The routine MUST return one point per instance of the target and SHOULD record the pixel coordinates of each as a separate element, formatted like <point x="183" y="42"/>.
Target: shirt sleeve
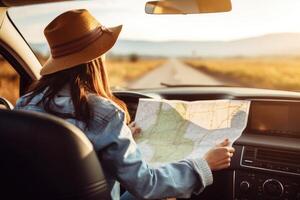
<point x="122" y="159"/>
<point x="19" y="103"/>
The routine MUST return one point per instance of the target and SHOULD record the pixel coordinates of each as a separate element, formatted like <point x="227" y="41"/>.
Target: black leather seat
<point x="43" y="157"/>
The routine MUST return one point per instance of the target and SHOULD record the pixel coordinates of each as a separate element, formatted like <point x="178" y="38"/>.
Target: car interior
<point x="266" y="164"/>
<point x="32" y="168"/>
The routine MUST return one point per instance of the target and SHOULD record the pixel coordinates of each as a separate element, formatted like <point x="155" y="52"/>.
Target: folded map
<point x="173" y="130"/>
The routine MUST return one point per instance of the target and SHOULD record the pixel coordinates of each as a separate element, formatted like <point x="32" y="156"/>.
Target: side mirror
<point x="187" y="6"/>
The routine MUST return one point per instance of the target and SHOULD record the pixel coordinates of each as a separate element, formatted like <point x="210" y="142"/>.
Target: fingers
<point x="135" y="129"/>
<point x="132" y="124"/>
<point x="138" y="130"/>
<point x="225" y="143"/>
<point x="222" y="164"/>
<point x="220" y="156"/>
<point x="230" y="149"/>
<point x="223" y="155"/>
<point x="225" y="152"/>
<point x="224" y="161"/>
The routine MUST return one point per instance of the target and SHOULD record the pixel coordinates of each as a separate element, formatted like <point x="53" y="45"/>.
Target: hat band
<point x="77" y="44"/>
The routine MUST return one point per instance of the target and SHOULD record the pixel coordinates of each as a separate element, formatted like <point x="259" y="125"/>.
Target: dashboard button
<point x="244" y="186"/>
<point x="273" y="188"/>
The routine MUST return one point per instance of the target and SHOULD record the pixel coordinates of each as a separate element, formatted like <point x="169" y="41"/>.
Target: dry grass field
<point x="9" y="82"/>
<point x="269" y="72"/>
<point x="120" y="73"/>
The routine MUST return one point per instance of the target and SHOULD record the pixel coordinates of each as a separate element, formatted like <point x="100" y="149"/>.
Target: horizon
<point x="208" y="41"/>
<point x="248" y="19"/>
<point x="285" y="44"/>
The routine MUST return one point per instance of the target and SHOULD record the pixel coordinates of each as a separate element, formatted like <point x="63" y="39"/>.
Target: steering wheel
<point x="4" y="102"/>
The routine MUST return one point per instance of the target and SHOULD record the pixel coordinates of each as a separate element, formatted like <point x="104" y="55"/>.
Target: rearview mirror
<point x="187" y="6"/>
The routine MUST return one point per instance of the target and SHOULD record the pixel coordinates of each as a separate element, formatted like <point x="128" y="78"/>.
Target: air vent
<point x="249" y="153"/>
<point x="278" y="156"/>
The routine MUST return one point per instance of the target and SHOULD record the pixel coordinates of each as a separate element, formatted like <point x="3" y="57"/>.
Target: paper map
<point x="173" y="130"/>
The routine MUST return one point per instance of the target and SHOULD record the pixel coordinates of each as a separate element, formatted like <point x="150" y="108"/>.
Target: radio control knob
<point x="273" y="188"/>
<point x="244" y="186"/>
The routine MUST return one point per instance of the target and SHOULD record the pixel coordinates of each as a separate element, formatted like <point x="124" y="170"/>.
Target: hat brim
<point x="91" y="52"/>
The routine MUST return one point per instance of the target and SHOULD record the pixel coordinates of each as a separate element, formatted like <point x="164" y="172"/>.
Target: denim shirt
<point x="120" y="157"/>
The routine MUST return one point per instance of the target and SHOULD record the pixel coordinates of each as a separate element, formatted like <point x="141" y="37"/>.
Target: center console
<point x="264" y="186"/>
<point x="268" y="174"/>
<point x="269" y="153"/>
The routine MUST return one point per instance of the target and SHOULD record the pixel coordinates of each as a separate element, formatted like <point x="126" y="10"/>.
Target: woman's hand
<point x="219" y="157"/>
<point x="135" y="129"/>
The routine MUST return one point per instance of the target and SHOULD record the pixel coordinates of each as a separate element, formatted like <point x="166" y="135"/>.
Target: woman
<point x="74" y="86"/>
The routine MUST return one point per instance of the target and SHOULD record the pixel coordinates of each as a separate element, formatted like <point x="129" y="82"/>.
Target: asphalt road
<point x="173" y="72"/>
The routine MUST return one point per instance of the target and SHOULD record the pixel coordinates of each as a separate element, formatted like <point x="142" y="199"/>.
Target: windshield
<point x="257" y="44"/>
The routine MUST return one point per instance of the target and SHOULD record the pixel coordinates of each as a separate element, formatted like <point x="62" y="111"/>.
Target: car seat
<point x="44" y="157"/>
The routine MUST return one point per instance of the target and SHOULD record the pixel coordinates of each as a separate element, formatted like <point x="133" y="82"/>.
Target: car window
<point x="9" y="81"/>
<point x="257" y="44"/>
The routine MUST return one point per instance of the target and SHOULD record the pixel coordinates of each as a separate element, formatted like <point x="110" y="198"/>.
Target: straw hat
<point x="76" y="37"/>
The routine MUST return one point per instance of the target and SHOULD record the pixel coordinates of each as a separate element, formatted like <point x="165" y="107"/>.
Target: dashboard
<point x="266" y="164"/>
<point x="275" y="118"/>
<point x="268" y="160"/>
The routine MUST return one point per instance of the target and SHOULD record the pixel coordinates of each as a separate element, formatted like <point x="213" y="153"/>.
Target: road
<point x="173" y="72"/>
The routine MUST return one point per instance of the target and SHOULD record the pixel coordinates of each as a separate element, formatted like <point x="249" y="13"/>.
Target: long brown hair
<point x="82" y="79"/>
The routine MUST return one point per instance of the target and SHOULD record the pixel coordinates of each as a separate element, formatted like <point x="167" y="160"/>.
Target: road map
<point x="173" y="130"/>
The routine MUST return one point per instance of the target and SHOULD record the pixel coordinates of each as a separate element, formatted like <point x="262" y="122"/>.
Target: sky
<point x="248" y="18"/>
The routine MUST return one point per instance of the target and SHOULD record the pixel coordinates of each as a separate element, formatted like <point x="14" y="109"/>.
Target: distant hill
<point x="41" y="48"/>
<point x="267" y="45"/>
